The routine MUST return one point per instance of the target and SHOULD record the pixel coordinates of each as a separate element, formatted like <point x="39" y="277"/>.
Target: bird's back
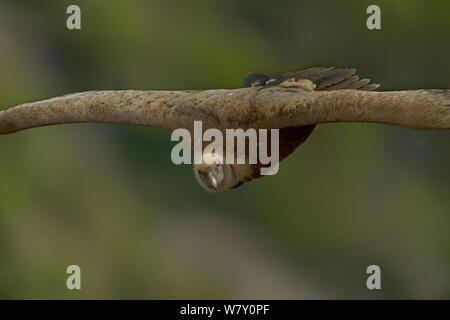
<point x="324" y="78"/>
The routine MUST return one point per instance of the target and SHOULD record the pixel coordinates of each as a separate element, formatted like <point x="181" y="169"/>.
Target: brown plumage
<point x="325" y="78"/>
<point x="294" y="103"/>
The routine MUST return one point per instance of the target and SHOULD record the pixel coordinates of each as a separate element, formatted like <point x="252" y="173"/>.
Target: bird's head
<point x="216" y="176"/>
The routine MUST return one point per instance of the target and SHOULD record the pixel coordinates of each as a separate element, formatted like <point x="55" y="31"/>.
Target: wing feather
<point x="325" y="78"/>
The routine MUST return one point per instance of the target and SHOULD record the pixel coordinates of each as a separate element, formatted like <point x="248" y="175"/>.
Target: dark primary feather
<point x="325" y="78"/>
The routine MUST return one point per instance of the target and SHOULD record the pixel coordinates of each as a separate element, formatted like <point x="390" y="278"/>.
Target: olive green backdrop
<point x="108" y="198"/>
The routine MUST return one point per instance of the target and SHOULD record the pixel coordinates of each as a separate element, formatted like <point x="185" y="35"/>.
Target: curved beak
<point x="212" y="179"/>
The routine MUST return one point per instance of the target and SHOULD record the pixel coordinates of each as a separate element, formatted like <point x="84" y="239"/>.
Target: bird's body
<point x="317" y="79"/>
<point x="294" y="103"/>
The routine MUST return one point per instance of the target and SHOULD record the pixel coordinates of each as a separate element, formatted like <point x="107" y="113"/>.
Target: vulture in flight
<point x="295" y="103"/>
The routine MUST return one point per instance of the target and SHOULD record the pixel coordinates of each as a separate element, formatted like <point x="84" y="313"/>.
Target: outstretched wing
<point x="288" y="102"/>
<point x="339" y="95"/>
<point x="325" y="78"/>
<point x="148" y="108"/>
<point x="427" y="109"/>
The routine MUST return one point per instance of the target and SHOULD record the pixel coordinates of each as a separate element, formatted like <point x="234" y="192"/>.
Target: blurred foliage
<point x="107" y="197"/>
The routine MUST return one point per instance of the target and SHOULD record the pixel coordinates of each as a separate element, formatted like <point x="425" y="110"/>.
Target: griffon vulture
<point x="293" y="102"/>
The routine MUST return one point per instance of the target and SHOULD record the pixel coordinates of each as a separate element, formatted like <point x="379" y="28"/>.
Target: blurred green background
<point x="108" y="198"/>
